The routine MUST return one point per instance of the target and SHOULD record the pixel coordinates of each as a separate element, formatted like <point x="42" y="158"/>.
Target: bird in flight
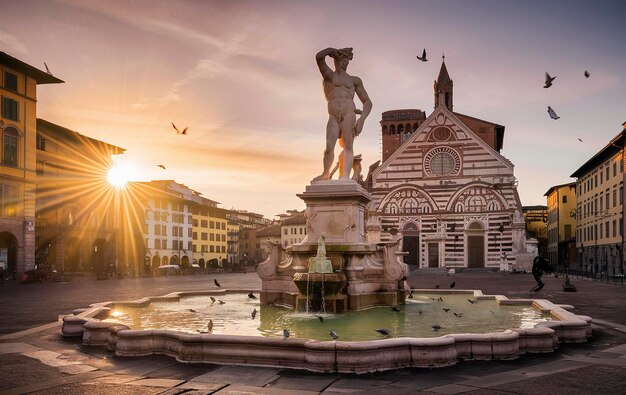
<point x="333" y="334"/>
<point x="216" y="283"/>
<point x="446" y="310"/>
<point x="453" y="284"/>
<point x="47" y="69"/>
<point x="251" y="295"/>
<point x="587" y="74"/>
<point x="579" y="139"/>
<point x="285" y="333"/>
<point x="436" y="327"/>
<point x="178" y="131"/>
<point x="549" y="81"/>
<point x="458" y="314"/>
<point x="423" y="57"/>
<point x="552" y="113"/>
<point x="161" y="166"/>
<point x="212" y="299"/>
<point x="472" y="301"/>
<point x="221" y="301"/>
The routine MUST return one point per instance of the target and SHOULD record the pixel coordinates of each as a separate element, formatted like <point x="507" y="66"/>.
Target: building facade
<point x="209" y="234"/>
<point x="18" y="126"/>
<point x="293" y="229"/>
<point x="561" y="225"/>
<point x="450" y="192"/>
<point x="536" y="219"/>
<point x="600" y="209"/>
<point x="232" y="242"/>
<point x="268" y="236"/>
<point x="77" y="210"/>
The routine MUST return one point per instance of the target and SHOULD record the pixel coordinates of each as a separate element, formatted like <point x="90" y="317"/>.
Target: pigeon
<point x="212" y="299"/>
<point x="440" y="299"/>
<point x="423" y="58"/>
<point x="437" y="286"/>
<point x="161" y="166"/>
<point x="458" y="314"/>
<point x="579" y="139"/>
<point x="221" y="301"/>
<point x="382" y="331"/>
<point x="178" y="131"/>
<point x="446" y="310"/>
<point x="394" y="308"/>
<point x="47" y="69"/>
<point x="285" y="333"/>
<point x="320" y="318"/>
<point x="216" y="283"/>
<point x="549" y="81"/>
<point x="253" y="313"/>
<point x="453" y="284"/>
<point x="333" y="334"/>
<point x="192" y="310"/>
<point x="420" y="312"/>
<point x="472" y="301"/>
<point x="436" y="327"/>
<point x="209" y="326"/>
<point x="552" y="113"/>
<point x="251" y="295"/>
<point x="586" y="74"/>
<point x="410" y="291"/>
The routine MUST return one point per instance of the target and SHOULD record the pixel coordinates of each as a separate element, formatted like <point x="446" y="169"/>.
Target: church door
<point x="475" y="245"/>
<point x="433" y="254"/>
<point x="410" y="244"/>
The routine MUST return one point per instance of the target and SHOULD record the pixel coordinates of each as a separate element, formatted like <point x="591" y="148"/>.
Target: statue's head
<point x="342" y="57"/>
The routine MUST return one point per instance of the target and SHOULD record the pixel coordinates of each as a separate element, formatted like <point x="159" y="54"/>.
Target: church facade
<point x="447" y="189"/>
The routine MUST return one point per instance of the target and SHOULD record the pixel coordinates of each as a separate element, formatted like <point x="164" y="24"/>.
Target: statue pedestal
<point x="335" y="209"/>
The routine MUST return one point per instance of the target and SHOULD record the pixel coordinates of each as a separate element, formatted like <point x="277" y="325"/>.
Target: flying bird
<point x="587" y="74"/>
<point x="216" y="283"/>
<point x="209" y="326"/>
<point x="333" y="334"/>
<point x="472" y="301"/>
<point x="394" y="308"/>
<point x="47" y="69"/>
<point x="178" y="131"/>
<point x="549" y="81"/>
<point x="253" y="313"/>
<point x="251" y="295"/>
<point x="423" y="58"/>
<point x="285" y="333"/>
<point x="192" y="310"/>
<point x="446" y="310"/>
<point x="161" y="166"/>
<point x="453" y="284"/>
<point x="221" y="301"/>
<point x="436" y="327"/>
<point x="212" y="299"/>
<point x="579" y="139"/>
<point x="383" y="331"/>
<point x="458" y="314"/>
<point x="552" y="113"/>
<point x="320" y="318"/>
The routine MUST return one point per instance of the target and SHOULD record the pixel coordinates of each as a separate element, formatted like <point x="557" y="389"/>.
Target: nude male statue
<point x="339" y="89"/>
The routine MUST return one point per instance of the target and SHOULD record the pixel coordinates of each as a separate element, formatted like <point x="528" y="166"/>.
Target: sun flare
<point x="121" y="173"/>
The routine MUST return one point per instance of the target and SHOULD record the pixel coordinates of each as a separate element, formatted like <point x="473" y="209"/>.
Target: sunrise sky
<point x="242" y="76"/>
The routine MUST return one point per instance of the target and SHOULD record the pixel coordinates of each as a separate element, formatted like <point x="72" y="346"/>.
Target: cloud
<point x="11" y="44"/>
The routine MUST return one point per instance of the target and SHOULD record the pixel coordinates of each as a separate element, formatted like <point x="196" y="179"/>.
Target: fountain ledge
<point x="327" y="356"/>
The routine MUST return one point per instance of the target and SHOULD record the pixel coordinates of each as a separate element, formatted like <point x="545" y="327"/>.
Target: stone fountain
<point x="353" y="273"/>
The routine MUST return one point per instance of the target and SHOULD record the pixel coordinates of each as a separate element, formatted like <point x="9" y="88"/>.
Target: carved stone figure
<point x="339" y="89"/>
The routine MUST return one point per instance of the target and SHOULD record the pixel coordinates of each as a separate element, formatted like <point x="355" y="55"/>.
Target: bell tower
<point x="443" y="87"/>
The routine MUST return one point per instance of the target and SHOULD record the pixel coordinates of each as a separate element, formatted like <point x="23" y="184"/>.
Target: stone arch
<point x="392" y="129"/>
<point x="8" y="253"/>
<point x="164" y="261"/>
<point x="400" y="129"/>
<point x="478" y="188"/>
<point x="398" y="197"/>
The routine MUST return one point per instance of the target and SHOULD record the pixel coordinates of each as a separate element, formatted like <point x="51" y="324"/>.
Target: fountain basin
<point x="332" y="356"/>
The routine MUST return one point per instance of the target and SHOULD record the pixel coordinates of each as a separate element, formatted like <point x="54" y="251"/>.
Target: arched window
<point x="458" y="208"/>
<point x="400" y="129"/>
<point x="392" y="129"/>
<point x="475" y="204"/>
<point x="10" y="138"/>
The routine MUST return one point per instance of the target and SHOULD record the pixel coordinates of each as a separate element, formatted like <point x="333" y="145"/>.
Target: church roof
<point x="443" y="77"/>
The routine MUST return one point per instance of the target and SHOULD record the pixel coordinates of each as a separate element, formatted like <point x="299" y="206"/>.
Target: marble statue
<point x="339" y="89"/>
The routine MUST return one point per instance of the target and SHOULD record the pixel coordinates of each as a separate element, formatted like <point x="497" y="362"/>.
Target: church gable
<point x="444" y="150"/>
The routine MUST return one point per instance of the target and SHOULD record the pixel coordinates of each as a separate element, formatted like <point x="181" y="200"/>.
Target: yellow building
<point x="18" y="125"/>
<point x="561" y="225"/>
<point x="209" y="234"/>
<point x="232" y="239"/>
<point x="600" y="210"/>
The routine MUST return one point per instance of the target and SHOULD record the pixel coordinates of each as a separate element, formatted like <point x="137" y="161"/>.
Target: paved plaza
<point x="34" y="358"/>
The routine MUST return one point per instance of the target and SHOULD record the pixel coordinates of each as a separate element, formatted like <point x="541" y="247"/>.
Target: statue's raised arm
<point x="339" y="89"/>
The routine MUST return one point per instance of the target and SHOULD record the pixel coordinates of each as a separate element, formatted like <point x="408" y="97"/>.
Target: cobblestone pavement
<point x="34" y="358"/>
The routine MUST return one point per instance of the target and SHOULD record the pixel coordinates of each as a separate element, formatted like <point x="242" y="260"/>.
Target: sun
<point x="121" y="173"/>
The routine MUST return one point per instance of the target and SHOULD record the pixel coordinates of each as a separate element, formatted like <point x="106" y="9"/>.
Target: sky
<point x="241" y="75"/>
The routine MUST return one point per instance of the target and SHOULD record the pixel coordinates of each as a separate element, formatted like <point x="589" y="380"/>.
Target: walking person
<point x="540" y="266"/>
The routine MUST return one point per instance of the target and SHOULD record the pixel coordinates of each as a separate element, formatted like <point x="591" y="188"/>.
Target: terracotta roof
<point x="269" y="231"/>
<point x="297" y="219"/>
